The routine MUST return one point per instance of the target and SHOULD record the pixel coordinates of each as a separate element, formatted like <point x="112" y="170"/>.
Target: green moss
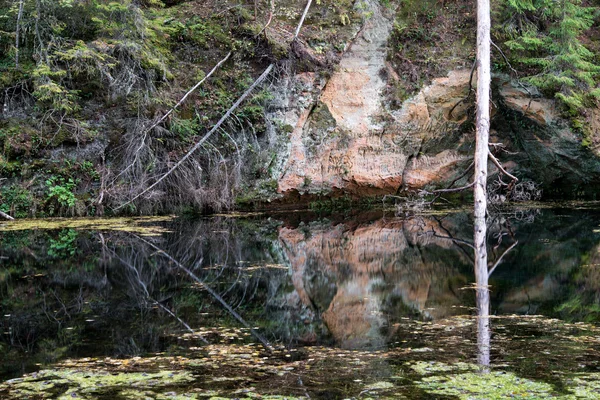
<point x="16" y="201"/>
<point x="584" y="386"/>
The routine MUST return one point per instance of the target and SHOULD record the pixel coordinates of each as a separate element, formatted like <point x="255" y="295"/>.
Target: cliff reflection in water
<point x="366" y="282"/>
<point x="363" y="278"/>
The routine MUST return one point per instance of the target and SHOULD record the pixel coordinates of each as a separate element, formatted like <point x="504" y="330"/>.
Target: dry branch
<point x="497" y="164"/>
<point x="205" y="137"/>
<point x="514" y="71"/>
<point x="164" y="117"/>
<point x="302" y="19"/>
<point x="189" y="92"/>
<point x="470" y="90"/>
<point x="271" y="13"/>
<point x="458" y="189"/>
<point x="501" y="257"/>
<point x="6" y="216"/>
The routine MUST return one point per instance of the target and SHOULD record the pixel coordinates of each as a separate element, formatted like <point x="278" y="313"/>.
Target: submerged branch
<point x="501" y="257"/>
<point x="147" y="295"/>
<point x="182" y="322"/>
<point x="459" y="241"/>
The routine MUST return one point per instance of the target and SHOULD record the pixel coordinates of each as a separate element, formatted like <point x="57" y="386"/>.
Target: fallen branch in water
<point x="204" y="138"/>
<point x="501" y="257"/>
<point x="182" y="322"/>
<point x="147" y="294"/>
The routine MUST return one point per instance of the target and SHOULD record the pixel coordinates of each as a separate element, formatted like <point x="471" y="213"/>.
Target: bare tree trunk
<point x="482" y="294"/>
<point x="481" y="170"/>
<point x="18" y="33"/>
<point x="483" y="130"/>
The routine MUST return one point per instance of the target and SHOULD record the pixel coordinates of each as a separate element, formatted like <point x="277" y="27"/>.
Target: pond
<point x="371" y="305"/>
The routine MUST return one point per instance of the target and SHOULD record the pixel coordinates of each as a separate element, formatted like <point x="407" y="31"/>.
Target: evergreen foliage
<point x="67" y="49"/>
<point x="544" y="38"/>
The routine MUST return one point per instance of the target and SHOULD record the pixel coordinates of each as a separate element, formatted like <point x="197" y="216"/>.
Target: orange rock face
<point x="349" y="150"/>
<point x="345" y="139"/>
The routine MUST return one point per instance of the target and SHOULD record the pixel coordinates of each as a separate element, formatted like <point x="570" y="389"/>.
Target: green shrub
<point x="16" y="201"/>
<point x="61" y="190"/>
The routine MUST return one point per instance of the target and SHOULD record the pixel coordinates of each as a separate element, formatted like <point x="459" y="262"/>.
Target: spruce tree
<point x="544" y="40"/>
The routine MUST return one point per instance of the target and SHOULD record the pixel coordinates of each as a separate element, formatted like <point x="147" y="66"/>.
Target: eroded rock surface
<point x="345" y="139"/>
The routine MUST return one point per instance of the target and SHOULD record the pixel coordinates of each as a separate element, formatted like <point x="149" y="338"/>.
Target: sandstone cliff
<point x="345" y="138"/>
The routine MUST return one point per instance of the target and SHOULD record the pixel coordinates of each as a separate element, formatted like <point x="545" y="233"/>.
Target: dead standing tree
<point x="482" y="153"/>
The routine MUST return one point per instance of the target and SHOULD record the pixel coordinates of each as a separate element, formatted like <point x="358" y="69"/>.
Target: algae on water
<point x="69" y="384"/>
<point x="144" y="226"/>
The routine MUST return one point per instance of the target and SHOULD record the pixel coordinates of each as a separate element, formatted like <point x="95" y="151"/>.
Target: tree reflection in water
<point x="482" y="288"/>
<point x="483" y="317"/>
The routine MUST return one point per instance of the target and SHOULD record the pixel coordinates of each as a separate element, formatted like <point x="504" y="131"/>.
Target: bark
<point x="483" y="129"/>
<point x="6" y="216"/>
<point x="18" y="33"/>
<point x="481" y="170"/>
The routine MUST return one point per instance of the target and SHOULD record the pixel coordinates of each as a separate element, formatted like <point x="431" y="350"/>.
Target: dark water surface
<point x="368" y="306"/>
